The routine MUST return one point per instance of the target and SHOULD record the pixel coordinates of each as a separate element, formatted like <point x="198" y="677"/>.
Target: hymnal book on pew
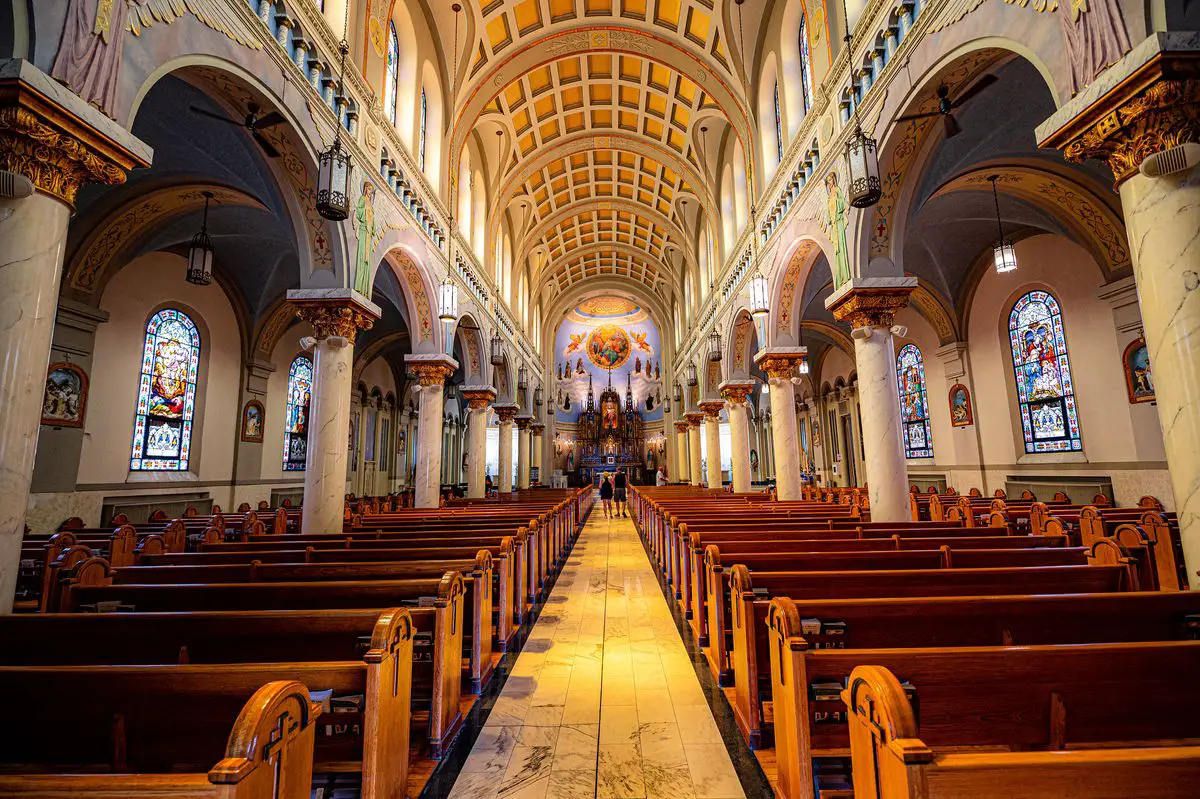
<point x="810" y="626"/>
<point x="351" y="703"/>
<point x="830" y="693"/>
<point x="423" y="647"/>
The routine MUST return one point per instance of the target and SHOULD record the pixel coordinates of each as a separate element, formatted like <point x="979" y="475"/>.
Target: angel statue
<point x="89" y="58"/>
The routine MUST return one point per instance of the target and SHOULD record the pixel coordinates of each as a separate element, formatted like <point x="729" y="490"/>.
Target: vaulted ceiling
<point x="591" y="113"/>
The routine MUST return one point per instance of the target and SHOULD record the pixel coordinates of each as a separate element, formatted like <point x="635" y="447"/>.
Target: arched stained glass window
<point x="778" y="127"/>
<point x="914" y="403"/>
<point x="805" y="66"/>
<point x="162" y="430"/>
<point x="421" y="139"/>
<point x="1045" y="393"/>
<point x="295" y="419"/>
<point x="391" y="79"/>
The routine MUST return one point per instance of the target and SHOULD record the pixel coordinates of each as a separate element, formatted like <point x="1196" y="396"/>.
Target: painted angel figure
<point x="364" y="227"/>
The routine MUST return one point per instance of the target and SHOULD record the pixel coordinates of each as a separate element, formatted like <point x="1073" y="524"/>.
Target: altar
<point x="608" y="438"/>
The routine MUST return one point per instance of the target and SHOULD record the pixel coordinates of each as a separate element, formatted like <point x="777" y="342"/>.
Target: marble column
<point x="507" y="412"/>
<point x="780" y="363"/>
<point x="681" y="451"/>
<point x="694" y="470"/>
<point x="478" y="399"/>
<point x="712" y="436"/>
<point x="336" y="316"/>
<point x="535" y="455"/>
<point x="523" y="423"/>
<point x="432" y="372"/>
<point x="869" y="306"/>
<point x="57" y="142"/>
<point x="1147" y="102"/>
<point x="739" y="433"/>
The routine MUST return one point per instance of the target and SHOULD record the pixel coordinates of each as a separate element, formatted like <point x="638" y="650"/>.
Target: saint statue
<point x="836" y="207"/>
<point x="1095" y="34"/>
<point x="364" y="227"/>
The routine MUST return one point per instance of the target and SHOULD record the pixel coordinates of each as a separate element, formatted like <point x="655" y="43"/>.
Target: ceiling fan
<point x="947" y="107"/>
<point x="253" y="123"/>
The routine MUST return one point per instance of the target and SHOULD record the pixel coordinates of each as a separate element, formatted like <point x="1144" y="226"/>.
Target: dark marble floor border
<point x="441" y="782"/>
<point x="754" y="781"/>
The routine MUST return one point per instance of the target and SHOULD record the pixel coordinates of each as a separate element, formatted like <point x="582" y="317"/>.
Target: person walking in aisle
<point x="606" y="496"/>
<point x="660" y="479"/>
<point x="619" y="485"/>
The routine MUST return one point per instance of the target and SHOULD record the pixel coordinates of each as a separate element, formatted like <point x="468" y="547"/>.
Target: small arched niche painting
<point x="961" y="414"/>
<point x="1139" y="381"/>
<point x="252" y="422"/>
<point x="65" y="401"/>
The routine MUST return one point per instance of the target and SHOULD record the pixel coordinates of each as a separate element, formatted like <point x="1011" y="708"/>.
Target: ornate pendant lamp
<point x="1003" y="253"/>
<point x="677" y="393"/>
<point x="714" y="346"/>
<point x="200" y="253"/>
<point x="497" y="350"/>
<point x="863" y="187"/>
<point x="333" y="164"/>
<point x="692" y="380"/>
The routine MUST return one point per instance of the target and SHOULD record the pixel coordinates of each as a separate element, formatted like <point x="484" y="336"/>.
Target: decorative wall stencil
<point x="65" y="402"/>
<point x="415" y="287"/>
<point x="961" y="413"/>
<point x="1139" y="380"/>
<point x="791" y="283"/>
<point x="253" y="418"/>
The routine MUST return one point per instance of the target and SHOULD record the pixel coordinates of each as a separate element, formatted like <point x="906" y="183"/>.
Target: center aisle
<point x="603" y="700"/>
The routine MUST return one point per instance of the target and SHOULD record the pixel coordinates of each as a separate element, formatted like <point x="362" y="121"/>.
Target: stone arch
<point x="789" y="276"/>
<point x="469" y="335"/>
<point x="740" y="344"/>
<point x="419" y="296"/>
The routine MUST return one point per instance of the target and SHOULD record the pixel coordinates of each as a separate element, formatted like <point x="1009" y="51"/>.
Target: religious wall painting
<point x="365" y="229"/>
<point x="608" y="346"/>
<point x="253" y="418"/>
<point x="816" y="434"/>
<point x="64" y="403"/>
<point x="836" y="209"/>
<point x="961" y="413"/>
<point x="1042" y="372"/>
<point x="1139" y="380"/>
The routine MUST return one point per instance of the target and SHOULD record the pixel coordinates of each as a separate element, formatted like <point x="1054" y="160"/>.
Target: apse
<point x="603" y="338"/>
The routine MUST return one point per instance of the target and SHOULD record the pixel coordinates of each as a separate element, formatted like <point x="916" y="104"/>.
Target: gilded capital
<point x="478" y="399"/>
<point x="1154" y="108"/>
<point x="537" y="428"/>
<point x="433" y="373"/>
<point x="871" y="307"/>
<point x="56" y="148"/>
<point x="506" y="412"/>
<point x="736" y="393"/>
<point x="694" y="419"/>
<point x="712" y="408"/>
<point x="334" y="318"/>
<point x="778" y="368"/>
<point x="681" y="426"/>
<point x="523" y="422"/>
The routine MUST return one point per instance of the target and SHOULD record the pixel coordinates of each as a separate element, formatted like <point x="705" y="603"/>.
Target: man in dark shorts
<point x="619" y="484"/>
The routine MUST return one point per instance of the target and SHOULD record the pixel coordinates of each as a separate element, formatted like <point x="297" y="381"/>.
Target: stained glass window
<point x="162" y="430"/>
<point x="421" y="140"/>
<point x="390" y="79"/>
<point x="805" y="67"/>
<point x="778" y="127"/>
<point x="914" y="403"/>
<point x="295" y="422"/>
<point x="1045" y="393"/>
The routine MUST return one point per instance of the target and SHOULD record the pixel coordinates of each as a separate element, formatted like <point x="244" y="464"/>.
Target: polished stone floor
<point x="603" y="700"/>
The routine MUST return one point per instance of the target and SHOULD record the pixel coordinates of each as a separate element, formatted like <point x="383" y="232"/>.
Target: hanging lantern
<point x="1004" y="254"/>
<point x="667" y="405"/>
<point x="522" y="378"/>
<point x="804" y="366"/>
<point x="864" y="187"/>
<point x="760" y="302"/>
<point x="448" y="301"/>
<point x="497" y="350"/>
<point x="714" y="346"/>
<point x="200" y="253"/>
<point x="677" y="393"/>
<point x="692" y="380"/>
<point x="537" y="397"/>
<point x="333" y="182"/>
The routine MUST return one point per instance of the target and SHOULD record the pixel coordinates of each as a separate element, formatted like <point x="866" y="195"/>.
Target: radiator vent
<point x="1175" y="159"/>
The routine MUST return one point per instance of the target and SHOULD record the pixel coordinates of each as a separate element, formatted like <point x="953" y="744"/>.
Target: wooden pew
<point x="751" y="595"/>
<point x="435" y="607"/>
<point x="268" y="746"/>
<point x="1092" y="722"/>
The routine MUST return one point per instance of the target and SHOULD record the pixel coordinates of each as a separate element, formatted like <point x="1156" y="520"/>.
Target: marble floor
<point x="603" y="700"/>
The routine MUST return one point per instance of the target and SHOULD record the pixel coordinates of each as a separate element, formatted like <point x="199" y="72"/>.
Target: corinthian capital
<point x="52" y="137"/>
